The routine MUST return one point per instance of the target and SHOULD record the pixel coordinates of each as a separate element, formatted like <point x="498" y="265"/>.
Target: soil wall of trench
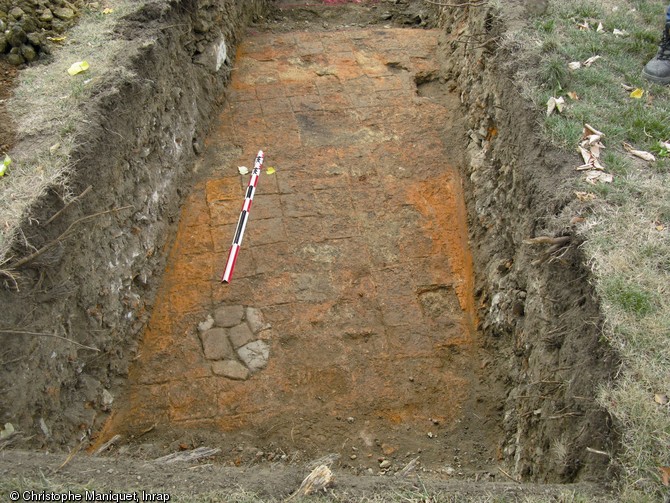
<point x="537" y="309"/>
<point x="537" y="312"/>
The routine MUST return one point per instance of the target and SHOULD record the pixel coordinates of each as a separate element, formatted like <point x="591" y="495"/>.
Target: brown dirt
<point x="7" y="80"/>
<point x="356" y="253"/>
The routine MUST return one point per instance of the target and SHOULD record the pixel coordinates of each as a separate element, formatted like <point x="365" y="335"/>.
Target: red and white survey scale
<point x="244" y="216"/>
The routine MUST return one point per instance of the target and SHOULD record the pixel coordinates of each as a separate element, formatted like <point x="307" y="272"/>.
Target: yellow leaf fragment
<point x="637" y="93"/>
<point x="58" y="40"/>
<point x="661" y="399"/>
<point x="78" y="67"/>
<point x="573" y="96"/>
<point x="5" y="164"/>
<point x="585" y="196"/>
<point x="107" y="10"/>
<point x="270" y="170"/>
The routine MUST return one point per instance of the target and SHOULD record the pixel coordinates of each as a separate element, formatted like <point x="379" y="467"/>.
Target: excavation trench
<point x="348" y="327"/>
<point x="386" y="304"/>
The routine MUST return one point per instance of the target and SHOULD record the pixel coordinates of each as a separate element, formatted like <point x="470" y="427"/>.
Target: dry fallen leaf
<point x="555" y="104"/>
<point x="665" y="475"/>
<point x="642" y="154"/>
<point x="584" y="26"/>
<point x="573" y="95"/>
<point x="661" y="399"/>
<point x="594" y="176"/>
<point x="626" y="87"/>
<point x="590" y="130"/>
<point x="619" y="33"/>
<point x="591" y="60"/>
<point x="243" y="170"/>
<point x="574" y="65"/>
<point x="270" y="170"/>
<point x="637" y="93"/>
<point x="577" y="220"/>
<point x="664" y="144"/>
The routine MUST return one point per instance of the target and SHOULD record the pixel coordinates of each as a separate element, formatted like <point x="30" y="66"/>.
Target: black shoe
<point x="658" y="69"/>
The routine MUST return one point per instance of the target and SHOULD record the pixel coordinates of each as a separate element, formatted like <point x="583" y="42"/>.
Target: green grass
<point x="627" y="237"/>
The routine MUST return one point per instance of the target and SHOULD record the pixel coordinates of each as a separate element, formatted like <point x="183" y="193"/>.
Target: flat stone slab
<point x="255" y="355"/>
<point x="232" y="369"/>
<point x="228" y="316"/>
<point x="216" y="345"/>
<point x="240" y="335"/>
<point x="205" y="325"/>
<point x="255" y="320"/>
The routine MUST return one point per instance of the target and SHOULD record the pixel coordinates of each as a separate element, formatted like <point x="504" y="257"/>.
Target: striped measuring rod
<point x="244" y="216"/>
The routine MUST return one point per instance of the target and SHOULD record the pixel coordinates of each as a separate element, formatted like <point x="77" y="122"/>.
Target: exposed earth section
<point x="348" y="326"/>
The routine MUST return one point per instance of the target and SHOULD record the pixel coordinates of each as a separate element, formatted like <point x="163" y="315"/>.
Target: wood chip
<point x="186" y="456"/>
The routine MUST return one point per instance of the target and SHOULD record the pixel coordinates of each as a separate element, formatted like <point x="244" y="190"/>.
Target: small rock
<point x="385" y="464"/>
<point x="449" y="470"/>
<point x="28" y="53"/>
<point x="198" y="147"/>
<point x="46" y="16"/>
<point x="44" y="428"/>
<point x="255" y="320"/>
<point x="203" y="326"/>
<point x="353" y="456"/>
<point x="64" y="13"/>
<point x="240" y="335"/>
<point x="107" y="399"/>
<point x="232" y="369"/>
<point x="16" y="13"/>
<point x="350" y="419"/>
<point x="36" y="39"/>
<point x="14" y="58"/>
<point x="216" y="345"/>
<point x="16" y="37"/>
<point x="228" y="316"/>
<point x="255" y="355"/>
<point x="431" y="434"/>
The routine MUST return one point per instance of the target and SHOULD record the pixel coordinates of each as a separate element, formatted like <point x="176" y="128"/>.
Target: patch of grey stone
<point x="255" y="355"/>
<point x="216" y="344"/>
<point x="232" y="369"/>
<point x="230" y="336"/>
